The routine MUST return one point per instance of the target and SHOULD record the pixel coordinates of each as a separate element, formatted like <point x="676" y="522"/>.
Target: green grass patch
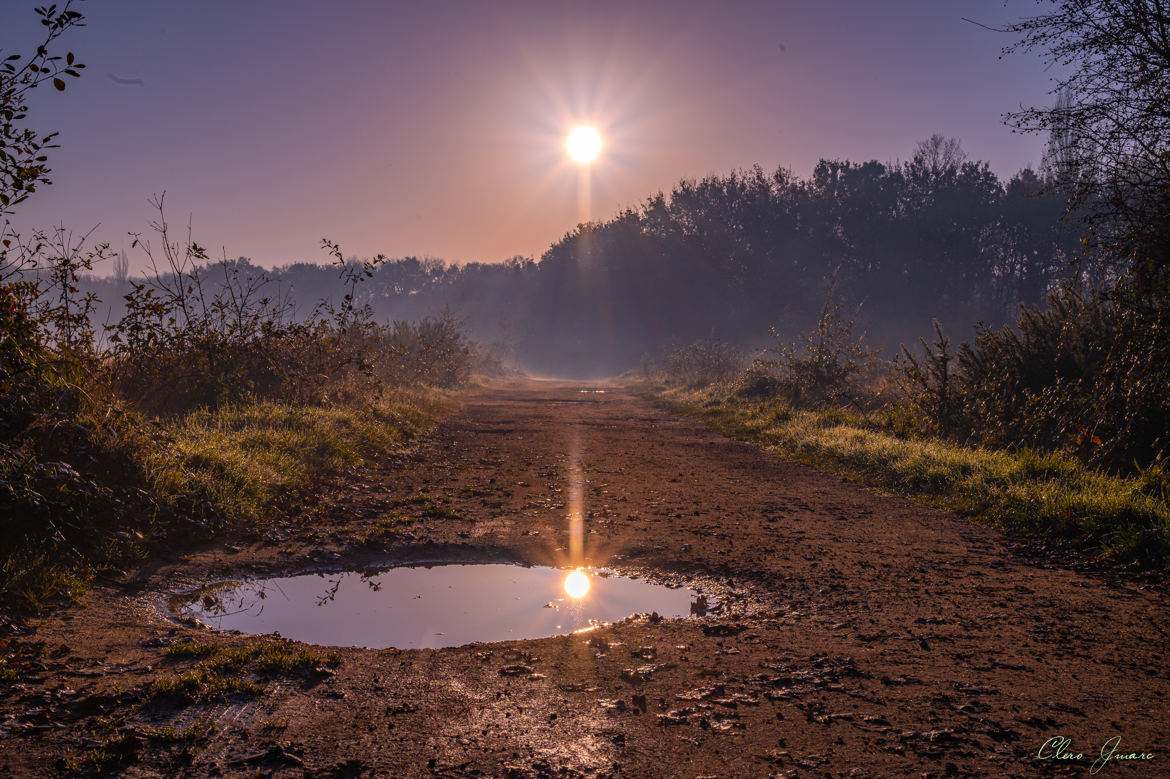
<point x="113" y="752"/>
<point x="383" y="529"/>
<point x="271" y="657"/>
<point x="245" y="457"/>
<point x="435" y="511"/>
<point x="187" y="649"/>
<point x="202" y="684"/>
<point x="190" y="736"/>
<point x="113" y="745"/>
<point x="225" y="670"/>
<point x="29" y="579"/>
<point x="1050" y="494"/>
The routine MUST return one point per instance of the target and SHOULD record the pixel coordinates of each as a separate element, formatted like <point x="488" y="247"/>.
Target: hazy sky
<point x="437" y="128"/>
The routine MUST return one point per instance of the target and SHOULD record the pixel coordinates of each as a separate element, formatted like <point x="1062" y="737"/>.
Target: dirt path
<point x="871" y="636"/>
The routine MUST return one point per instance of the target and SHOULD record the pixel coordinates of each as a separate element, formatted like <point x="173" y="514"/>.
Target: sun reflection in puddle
<point x="415" y="607"/>
<point x="577" y="584"/>
<point x="576" y="479"/>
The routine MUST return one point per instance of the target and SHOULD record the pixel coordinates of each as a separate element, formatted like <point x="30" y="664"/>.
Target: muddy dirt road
<point x="864" y="635"/>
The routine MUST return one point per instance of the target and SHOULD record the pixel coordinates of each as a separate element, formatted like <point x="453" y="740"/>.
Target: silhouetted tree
<point x="1111" y="121"/>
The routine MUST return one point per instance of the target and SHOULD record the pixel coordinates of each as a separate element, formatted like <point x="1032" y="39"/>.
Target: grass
<point x="172" y="735"/>
<point x="1052" y="494"/>
<point x="439" y="512"/>
<point x="243" y="457"/>
<point x="30" y="579"/>
<point x="113" y="752"/>
<point x="224" y="470"/>
<point x="189" y="649"/>
<point x="221" y="671"/>
<point x="266" y="657"/>
<point x="118" y="749"/>
<point x="202" y="684"/>
<point x="383" y="529"/>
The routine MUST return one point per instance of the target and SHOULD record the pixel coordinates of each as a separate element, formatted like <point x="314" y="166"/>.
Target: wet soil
<point x="864" y="635"/>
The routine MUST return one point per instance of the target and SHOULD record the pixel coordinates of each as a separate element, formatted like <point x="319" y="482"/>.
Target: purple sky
<point x="437" y="128"/>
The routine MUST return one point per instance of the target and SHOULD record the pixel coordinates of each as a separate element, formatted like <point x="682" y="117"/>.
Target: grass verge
<point x="207" y="473"/>
<point x="243" y="458"/>
<point x="1118" y="519"/>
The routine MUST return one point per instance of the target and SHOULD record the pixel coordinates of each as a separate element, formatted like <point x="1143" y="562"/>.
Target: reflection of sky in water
<point x="414" y="607"/>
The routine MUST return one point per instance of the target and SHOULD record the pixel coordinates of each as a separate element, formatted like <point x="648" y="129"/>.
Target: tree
<point x="121" y="270"/>
<point x="939" y="156"/>
<point x="1111" y="118"/>
<point x="22" y="158"/>
<point x="22" y="168"/>
<point x="1061" y="161"/>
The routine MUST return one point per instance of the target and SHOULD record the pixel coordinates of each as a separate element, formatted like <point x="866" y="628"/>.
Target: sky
<point x="437" y="129"/>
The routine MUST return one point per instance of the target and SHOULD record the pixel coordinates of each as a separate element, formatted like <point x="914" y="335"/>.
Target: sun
<point x="583" y="144"/>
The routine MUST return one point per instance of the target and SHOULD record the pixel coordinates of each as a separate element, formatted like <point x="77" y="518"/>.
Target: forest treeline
<point x="737" y="255"/>
<point x="733" y="255"/>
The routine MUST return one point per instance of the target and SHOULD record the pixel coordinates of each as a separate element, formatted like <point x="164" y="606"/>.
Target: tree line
<point x="733" y="255"/>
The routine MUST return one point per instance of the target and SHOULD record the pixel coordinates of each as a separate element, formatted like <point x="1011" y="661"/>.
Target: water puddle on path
<point x="428" y="607"/>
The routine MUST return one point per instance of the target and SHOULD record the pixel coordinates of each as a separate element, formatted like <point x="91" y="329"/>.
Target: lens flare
<point x="577" y="585"/>
<point x="584" y="144"/>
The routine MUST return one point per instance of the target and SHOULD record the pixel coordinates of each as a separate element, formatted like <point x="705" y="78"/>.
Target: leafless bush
<point x="703" y="362"/>
<point x="204" y="334"/>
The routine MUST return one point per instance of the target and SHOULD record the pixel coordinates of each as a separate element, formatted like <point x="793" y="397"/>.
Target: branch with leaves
<point x="23" y="162"/>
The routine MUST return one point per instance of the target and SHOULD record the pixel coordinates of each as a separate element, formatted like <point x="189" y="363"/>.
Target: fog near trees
<point x="734" y="255"/>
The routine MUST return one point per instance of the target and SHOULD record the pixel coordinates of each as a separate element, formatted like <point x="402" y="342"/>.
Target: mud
<point x="863" y="635"/>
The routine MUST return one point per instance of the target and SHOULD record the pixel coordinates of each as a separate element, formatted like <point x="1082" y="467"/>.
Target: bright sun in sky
<point x="584" y="143"/>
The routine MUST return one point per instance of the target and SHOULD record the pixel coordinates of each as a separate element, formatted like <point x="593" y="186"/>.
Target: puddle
<point x="428" y="607"/>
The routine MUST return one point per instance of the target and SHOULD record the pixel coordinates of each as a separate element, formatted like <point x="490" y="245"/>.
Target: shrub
<point x="85" y="480"/>
<point x="209" y="335"/>
<point x="759" y="382"/>
<point x="931" y="380"/>
<point x="703" y="362"/>
<point x="1087" y="374"/>
<point x="822" y="366"/>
